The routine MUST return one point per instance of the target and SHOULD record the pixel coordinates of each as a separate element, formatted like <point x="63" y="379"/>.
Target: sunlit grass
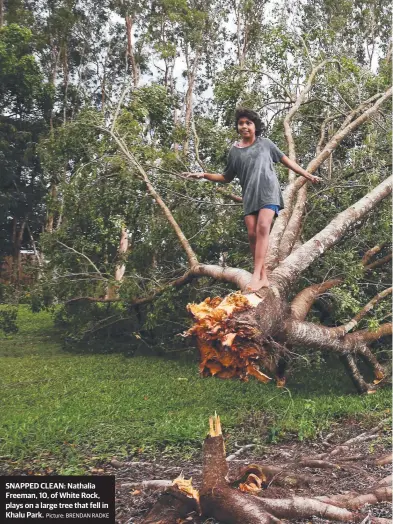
<point x="63" y="408"/>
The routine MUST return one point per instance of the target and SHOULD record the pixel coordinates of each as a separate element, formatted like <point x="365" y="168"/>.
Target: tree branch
<point x="326" y="121"/>
<point x="82" y="255"/>
<point x="368" y="336"/>
<point x="338" y="137"/>
<point x="291" y="190"/>
<point x="192" y="258"/>
<point x="379" y="262"/>
<point x="290" y="269"/>
<point x="294" y="225"/>
<point x="371" y="252"/>
<point x="263" y="73"/>
<point x="291" y="113"/>
<point x="303" y="301"/>
<point x="308" y="334"/>
<point x="342" y="330"/>
<point x="358" y="110"/>
<point x="181" y="281"/>
<point x="239" y="277"/>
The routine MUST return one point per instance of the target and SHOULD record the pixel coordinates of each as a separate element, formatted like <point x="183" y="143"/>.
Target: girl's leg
<point x="264" y="222"/>
<point x="251" y="225"/>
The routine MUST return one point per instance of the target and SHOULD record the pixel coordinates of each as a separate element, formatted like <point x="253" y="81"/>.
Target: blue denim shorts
<point x="274" y="207"/>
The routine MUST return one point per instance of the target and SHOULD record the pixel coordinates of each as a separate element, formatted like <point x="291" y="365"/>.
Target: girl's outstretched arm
<point x="293" y="166"/>
<point x="213" y="177"/>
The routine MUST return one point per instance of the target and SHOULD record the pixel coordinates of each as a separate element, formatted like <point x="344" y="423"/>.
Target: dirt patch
<point x="133" y="502"/>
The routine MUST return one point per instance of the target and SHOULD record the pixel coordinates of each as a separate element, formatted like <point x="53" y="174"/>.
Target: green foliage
<point x="20" y="75"/>
<point x="8" y="320"/>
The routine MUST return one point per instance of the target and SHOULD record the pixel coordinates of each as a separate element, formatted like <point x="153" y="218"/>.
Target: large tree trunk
<point x="253" y="334"/>
<point x="130" y="52"/>
<point x="17" y="238"/>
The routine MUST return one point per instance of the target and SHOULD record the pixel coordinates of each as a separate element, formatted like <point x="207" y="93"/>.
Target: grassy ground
<point x="66" y="411"/>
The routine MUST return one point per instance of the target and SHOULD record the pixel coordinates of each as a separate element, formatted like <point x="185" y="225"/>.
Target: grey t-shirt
<point x="253" y="165"/>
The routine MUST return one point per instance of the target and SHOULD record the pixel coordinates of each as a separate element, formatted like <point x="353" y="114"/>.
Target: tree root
<point x="386" y="481"/>
<point x="386" y="459"/>
<point x="246" y="500"/>
<point x="172" y="505"/>
<point x="279" y="476"/>
<point x="177" y="502"/>
<point x="303" y="508"/>
<point x="355" y="501"/>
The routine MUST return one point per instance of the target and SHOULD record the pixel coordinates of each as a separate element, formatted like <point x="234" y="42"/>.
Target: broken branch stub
<point x="231" y="340"/>
<point x="177" y="501"/>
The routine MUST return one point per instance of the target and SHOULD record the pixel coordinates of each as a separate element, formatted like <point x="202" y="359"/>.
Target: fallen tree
<point x="250" y="334"/>
<point x="254" y="334"/>
<point x="246" y="497"/>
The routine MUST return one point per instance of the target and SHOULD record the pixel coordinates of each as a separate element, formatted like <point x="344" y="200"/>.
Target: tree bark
<point x="130" y="52"/>
<point x="303" y="301"/>
<point x="191" y="76"/>
<point x="112" y="291"/>
<point x="17" y="256"/>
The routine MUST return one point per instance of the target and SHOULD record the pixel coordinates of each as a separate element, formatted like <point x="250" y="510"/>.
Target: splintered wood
<point x="250" y="497"/>
<point x="186" y="487"/>
<point x="215" y="426"/>
<point x="226" y="346"/>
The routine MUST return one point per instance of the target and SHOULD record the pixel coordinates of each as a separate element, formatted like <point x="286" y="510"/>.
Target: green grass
<point x="68" y="411"/>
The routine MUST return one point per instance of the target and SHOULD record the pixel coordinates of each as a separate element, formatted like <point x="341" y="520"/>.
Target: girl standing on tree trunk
<point x="251" y="160"/>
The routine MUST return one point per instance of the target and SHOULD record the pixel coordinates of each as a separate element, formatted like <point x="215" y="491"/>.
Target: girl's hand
<point x="314" y="179"/>
<point x="195" y="176"/>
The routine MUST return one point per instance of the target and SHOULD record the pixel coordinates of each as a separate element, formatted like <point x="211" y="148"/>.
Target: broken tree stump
<point x="246" y="500"/>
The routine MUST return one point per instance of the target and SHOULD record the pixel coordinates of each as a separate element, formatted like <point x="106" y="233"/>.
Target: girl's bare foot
<point x="254" y="284"/>
<point x="264" y="282"/>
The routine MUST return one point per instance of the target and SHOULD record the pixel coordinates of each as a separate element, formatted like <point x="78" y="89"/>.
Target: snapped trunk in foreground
<point x="246" y="498"/>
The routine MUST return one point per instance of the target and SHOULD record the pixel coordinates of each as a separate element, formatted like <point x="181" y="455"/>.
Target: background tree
<point x="21" y="122"/>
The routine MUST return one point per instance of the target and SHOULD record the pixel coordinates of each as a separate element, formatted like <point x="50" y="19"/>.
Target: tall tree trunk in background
<point x="1" y="13"/>
<point x="17" y="237"/>
<point x="242" y="40"/>
<point x="112" y="291"/>
<point x="53" y="187"/>
<point x="66" y="78"/>
<point x="53" y="76"/>
<point x="192" y="67"/>
<point x="51" y="215"/>
<point x="130" y="52"/>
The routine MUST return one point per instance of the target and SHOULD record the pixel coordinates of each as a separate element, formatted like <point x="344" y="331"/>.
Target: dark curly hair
<point x="251" y="115"/>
